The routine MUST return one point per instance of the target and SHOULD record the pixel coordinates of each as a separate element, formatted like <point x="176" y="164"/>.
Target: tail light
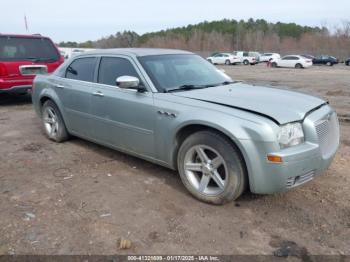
<point x="3" y="70"/>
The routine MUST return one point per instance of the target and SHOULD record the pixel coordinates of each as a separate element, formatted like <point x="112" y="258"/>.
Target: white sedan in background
<point x="294" y="61"/>
<point x="224" y="58"/>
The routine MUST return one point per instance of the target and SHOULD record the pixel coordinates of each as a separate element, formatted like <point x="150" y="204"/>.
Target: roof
<point x="137" y="51"/>
<point x="24" y="36"/>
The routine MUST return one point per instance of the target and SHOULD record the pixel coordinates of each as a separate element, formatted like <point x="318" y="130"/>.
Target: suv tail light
<point x="3" y="70"/>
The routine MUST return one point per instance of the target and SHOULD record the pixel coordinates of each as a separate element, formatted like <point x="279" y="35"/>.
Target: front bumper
<point x="301" y="163"/>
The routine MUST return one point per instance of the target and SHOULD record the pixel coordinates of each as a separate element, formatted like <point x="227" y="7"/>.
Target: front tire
<point x="211" y="168"/>
<point x="53" y="124"/>
<point x="274" y="64"/>
<point x="329" y="64"/>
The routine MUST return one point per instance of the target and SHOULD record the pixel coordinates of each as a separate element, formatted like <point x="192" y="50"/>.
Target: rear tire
<point x="246" y="62"/>
<point x="329" y="64"/>
<point x="298" y="66"/>
<point x="211" y="168"/>
<point x="53" y="124"/>
<point x="227" y="62"/>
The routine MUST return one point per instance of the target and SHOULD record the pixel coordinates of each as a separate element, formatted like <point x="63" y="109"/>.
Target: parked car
<point x="224" y="58"/>
<point x="325" y="60"/>
<point x="347" y="62"/>
<point x="266" y="57"/>
<point x="295" y="61"/>
<point x="24" y="56"/>
<point x="173" y="108"/>
<point x="245" y="58"/>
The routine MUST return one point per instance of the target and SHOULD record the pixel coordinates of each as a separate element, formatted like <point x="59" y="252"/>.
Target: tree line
<point x="229" y="35"/>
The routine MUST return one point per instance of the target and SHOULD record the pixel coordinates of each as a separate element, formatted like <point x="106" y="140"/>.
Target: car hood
<point x="281" y="106"/>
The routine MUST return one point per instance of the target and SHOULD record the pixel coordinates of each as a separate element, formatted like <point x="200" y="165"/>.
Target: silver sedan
<point x="176" y="109"/>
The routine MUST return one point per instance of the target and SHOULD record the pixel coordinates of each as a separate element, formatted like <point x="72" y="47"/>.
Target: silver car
<point x="175" y="109"/>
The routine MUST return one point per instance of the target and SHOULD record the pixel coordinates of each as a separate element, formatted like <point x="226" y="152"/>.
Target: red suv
<point x="24" y="56"/>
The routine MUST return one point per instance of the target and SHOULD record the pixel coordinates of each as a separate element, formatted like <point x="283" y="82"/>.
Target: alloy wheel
<point x="50" y="122"/>
<point x="206" y="170"/>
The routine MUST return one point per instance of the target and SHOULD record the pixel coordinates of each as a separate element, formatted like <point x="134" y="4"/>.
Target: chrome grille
<point x="328" y="134"/>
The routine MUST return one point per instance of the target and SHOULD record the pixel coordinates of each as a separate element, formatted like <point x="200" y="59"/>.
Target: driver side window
<point x="113" y="67"/>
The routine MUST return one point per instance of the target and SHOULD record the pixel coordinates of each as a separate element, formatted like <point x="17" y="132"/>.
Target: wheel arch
<point x="46" y="95"/>
<point x="184" y="131"/>
<point x="42" y="100"/>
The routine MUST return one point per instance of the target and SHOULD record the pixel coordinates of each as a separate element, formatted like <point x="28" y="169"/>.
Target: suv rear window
<point x="22" y="48"/>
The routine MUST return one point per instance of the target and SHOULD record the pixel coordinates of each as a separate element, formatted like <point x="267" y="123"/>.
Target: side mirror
<point x="130" y="82"/>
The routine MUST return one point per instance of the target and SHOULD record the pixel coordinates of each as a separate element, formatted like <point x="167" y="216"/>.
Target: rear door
<point x="317" y="60"/>
<point x="286" y="61"/>
<point x="75" y="91"/>
<point x="123" y="118"/>
<point x="217" y="59"/>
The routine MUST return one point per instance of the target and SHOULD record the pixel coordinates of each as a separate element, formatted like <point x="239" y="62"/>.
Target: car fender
<point x="238" y="130"/>
<point x="42" y="90"/>
<point x="250" y="149"/>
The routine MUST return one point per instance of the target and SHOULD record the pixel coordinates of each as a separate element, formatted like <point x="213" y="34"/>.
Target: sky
<point x="81" y="20"/>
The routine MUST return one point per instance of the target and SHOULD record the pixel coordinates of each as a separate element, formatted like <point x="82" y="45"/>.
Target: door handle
<point x="59" y="86"/>
<point x="98" y="93"/>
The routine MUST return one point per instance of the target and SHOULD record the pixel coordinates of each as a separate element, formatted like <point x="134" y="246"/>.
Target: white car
<point x="223" y="58"/>
<point x="246" y="58"/>
<point x="295" y="61"/>
<point x="267" y="56"/>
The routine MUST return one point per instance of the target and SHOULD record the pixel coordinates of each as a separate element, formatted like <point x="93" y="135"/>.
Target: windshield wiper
<point x="34" y="59"/>
<point x="187" y="87"/>
<point x="191" y="87"/>
<point x="46" y="59"/>
<point x="225" y="83"/>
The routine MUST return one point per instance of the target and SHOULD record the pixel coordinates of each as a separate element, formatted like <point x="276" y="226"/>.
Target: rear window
<point x="82" y="69"/>
<point x="21" y="48"/>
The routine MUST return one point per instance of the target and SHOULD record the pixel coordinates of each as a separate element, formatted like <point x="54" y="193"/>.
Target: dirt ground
<point x="81" y="198"/>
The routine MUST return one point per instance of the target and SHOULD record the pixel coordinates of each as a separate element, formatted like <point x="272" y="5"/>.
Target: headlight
<point x="290" y="135"/>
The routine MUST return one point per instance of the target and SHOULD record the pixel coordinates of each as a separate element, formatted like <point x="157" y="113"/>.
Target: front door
<point x="123" y="118"/>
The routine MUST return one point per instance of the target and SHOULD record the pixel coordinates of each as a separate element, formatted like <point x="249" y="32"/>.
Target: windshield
<point x="171" y="71"/>
<point x="21" y="48"/>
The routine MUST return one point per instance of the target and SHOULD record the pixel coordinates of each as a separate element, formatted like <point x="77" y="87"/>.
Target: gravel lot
<point x="81" y="198"/>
